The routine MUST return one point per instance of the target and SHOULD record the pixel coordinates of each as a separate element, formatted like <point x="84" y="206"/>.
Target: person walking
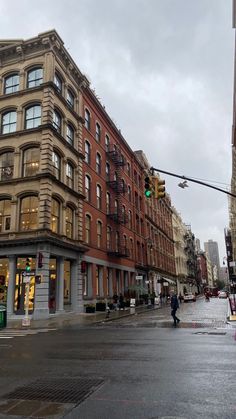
<point x="174" y="307"/>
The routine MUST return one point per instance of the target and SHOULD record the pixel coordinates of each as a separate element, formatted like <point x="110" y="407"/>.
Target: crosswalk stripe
<point x="11" y="333"/>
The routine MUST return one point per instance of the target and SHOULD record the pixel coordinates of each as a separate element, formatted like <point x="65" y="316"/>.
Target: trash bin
<point x="3" y="316"/>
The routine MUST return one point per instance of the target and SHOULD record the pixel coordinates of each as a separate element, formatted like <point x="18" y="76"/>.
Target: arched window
<point x="128" y="168"/>
<point x="107" y="171"/>
<point x="11" y="83"/>
<point x="87" y="151"/>
<point x="29" y="213"/>
<point x="70" y="134"/>
<point x="31" y="158"/>
<point x="108" y="203"/>
<point x="131" y="248"/>
<point x="70" y="175"/>
<point x="99" y="197"/>
<point x="130" y="219"/>
<point x="108" y="237"/>
<point x="55" y="216"/>
<point x="99" y="233"/>
<point x="116" y="206"/>
<point x="5" y="215"/>
<point x="123" y="186"/>
<point x="87" y="119"/>
<point x="6" y="165"/>
<point x="98" y="163"/>
<point x="98" y="132"/>
<point x="117" y="241"/>
<point x="88" y="188"/>
<point x="9" y="122"/>
<point x="33" y="116"/>
<point x="35" y="77"/>
<point x="58" y="82"/>
<point x="107" y="142"/>
<point x="70" y="98"/>
<point x="129" y="194"/>
<point x="56" y="163"/>
<point x="69" y="222"/>
<point x="87" y="228"/>
<point x="57" y="121"/>
<point x="123" y="213"/>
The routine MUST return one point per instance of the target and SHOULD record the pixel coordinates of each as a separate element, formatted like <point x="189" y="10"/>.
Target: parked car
<point x="189" y="297"/>
<point x="222" y="294"/>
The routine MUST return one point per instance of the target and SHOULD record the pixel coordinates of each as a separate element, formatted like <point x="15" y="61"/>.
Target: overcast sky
<point x="164" y="71"/>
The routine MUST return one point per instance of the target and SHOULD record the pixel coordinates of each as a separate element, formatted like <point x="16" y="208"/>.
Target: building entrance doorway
<point x="19" y="300"/>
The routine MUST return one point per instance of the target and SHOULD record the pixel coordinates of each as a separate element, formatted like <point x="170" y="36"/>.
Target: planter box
<point x="89" y="309"/>
<point x="100" y="306"/>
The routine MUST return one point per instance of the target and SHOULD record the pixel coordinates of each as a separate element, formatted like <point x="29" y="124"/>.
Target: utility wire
<point x="153" y="169"/>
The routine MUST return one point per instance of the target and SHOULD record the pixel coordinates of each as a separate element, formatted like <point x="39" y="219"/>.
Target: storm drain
<point x="61" y="390"/>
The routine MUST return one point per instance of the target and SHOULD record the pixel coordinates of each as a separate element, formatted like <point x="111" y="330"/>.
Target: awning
<point x="168" y="280"/>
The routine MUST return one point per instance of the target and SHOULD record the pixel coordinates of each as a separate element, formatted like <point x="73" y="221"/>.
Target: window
<point x="88" y="188"/>
<point x="99" y="197"/>
<point x="108" y="238"/>
<point x="108" y="203"/>
<point x="33" y="117"/>
<point x="57" y="121"/>
<point x="98" y="132"/>
<point x="31" y="161"/>
<point x="98" y="163"/>
<point x="129" y="194"/>
<point x="9" y="122"/>
<point x="107" y="142"/>
<point x="69" y="222"/>
<point x="87" y="151"/>
<point x="87" y="228"/>
<point x="55" y="216"/>
<point x="6" y="166"/>
<point x="123" y="213"/>
<point x="116" y="206"/>
<point x="130" y="219"/>
<point x="69" y="175"/>
<point x="70" y="99"/>
<point x="99" y="233"/>
<point x="5" y="215"/>
<point x="58" y="82"/>
<point x="11" y="84"/>
<point x="29" y="213"/>
<point x="70" y="133"/>
<point x="107" y="171"/>
<point x="35" y="77"/>
<point x="131" y="248"/>
<point x="117" y="241"/>
<point x="128" y="168"/>
<point x="87" y="119"/>
<point x="56" y="162"/>
<point x="123" y="186"/>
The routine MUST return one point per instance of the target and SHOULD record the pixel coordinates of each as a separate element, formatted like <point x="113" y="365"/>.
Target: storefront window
<point x="19" y="302"/>
<point x="4" y="275"/>
<point x="29" y="213"/>
<point x="67" y="275"/>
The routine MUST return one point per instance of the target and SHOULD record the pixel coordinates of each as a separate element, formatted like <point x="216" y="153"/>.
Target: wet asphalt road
<point x="147" y="368"/>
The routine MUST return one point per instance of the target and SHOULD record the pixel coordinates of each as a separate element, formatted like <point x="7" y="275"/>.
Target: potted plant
<point x="89" y="308"/>
<point x="101" y="306"/>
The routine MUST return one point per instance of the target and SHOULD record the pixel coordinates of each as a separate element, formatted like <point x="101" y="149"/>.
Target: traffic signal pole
<point x="154" y="169"/>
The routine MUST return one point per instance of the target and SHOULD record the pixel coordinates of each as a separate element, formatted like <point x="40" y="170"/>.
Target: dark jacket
<point x="174" y="302"/>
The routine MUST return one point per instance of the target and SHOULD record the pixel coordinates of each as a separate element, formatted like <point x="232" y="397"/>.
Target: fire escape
<point x="116" y="210"/>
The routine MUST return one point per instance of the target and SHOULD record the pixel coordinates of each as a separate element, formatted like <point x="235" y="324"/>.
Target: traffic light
<point x="160" y="190"/>
<point x="27" y="265"/>
<point x="40" y="260"/>
<point x="148" y="185"/>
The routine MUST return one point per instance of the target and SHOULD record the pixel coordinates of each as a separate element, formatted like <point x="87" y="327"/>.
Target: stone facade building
<point x="179" y="232"/>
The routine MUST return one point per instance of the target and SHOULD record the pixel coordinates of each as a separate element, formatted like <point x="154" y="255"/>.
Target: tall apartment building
<point x="211" y="247"/>
<point x="41" y="156"/>
<point x="71" y="189"/>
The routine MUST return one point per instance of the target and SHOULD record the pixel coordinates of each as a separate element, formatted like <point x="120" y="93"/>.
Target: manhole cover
<point x="62" y="390"/>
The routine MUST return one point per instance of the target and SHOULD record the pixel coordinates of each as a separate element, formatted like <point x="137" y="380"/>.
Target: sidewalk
<point x="83" y="319"/>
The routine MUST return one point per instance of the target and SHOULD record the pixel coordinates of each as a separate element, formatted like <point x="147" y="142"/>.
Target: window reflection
<point x="6" y="166"/>
<point x="9" y="122"/>
<point x="56" y="162"/>
<point x="33" y="117"/>
<point x="5" y="215"/>
<point x="11" y="84"/>
<point x="35" y="77"/>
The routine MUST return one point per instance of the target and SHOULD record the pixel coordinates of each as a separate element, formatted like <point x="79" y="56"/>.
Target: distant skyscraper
<point x="198" y="245"/>
<point x="211" y="248"/>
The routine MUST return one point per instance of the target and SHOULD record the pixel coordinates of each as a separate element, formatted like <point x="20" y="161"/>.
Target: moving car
<point x="222" y="294"/>
<point x="189" y="297"/>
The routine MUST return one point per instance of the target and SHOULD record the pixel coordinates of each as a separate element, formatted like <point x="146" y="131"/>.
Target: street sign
<point x="26" y="279"/>
<point x="31" y="273"/>
<point x="139" y="277"/>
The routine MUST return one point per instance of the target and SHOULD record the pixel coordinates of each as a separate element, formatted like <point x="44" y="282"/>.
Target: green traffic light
<point x="27" y="268"/>
<point x="148" y="194"/>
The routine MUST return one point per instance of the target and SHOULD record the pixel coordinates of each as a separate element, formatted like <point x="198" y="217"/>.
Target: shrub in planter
<point x="100" y="306"/>
<point x="89" y="308"/>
